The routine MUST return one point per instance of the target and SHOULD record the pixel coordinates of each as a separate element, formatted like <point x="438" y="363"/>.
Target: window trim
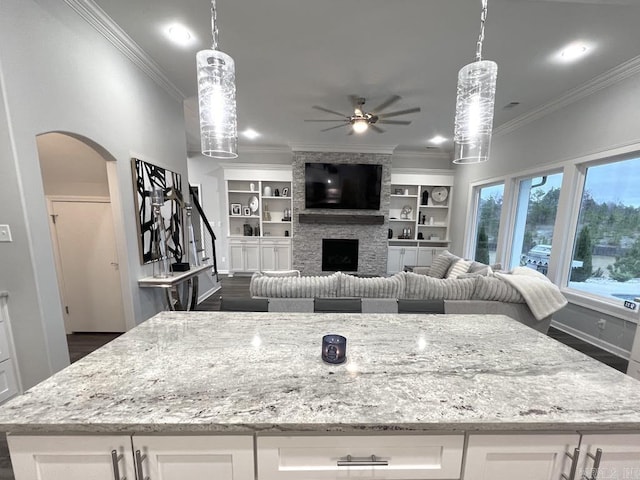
<point x="472" y="216"/>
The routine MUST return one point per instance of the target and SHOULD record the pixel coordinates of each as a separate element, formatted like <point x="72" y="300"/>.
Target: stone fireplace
<point x="368" y="227"/>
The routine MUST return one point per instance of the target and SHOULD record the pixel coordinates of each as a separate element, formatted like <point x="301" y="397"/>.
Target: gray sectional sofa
<point x="467" y="292"/>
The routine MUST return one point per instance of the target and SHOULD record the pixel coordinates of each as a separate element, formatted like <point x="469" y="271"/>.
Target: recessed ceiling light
<point x="438" y="139"/>
<point x="251" y="134"/>
<point x="573" y="51"/>
<point x="179" y="34"/>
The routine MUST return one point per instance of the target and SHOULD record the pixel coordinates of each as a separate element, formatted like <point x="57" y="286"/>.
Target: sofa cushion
<point x="492" y="288"/>
<point x="281" y="273"/>
<point x="458" y="268"/>
<point x="440" y="265"/>
<point x="429" y="288"/>
<point x="294" y="287"/>
<point x="373" y="287"/>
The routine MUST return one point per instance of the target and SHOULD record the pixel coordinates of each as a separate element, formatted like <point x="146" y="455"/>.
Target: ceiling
<point x="292" y="54"/>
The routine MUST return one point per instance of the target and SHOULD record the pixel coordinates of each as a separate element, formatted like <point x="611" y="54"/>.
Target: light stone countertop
<point x="262" y="372"/>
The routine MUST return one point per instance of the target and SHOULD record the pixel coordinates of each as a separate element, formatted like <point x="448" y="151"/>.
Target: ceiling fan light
<point x="474" y="112"/>
<point x="360" y="125"/>
<point x="217" y="101"/>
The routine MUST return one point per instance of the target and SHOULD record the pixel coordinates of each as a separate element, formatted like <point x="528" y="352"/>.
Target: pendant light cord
<point x="214" y="24"/>
<point x="483" y="18"/>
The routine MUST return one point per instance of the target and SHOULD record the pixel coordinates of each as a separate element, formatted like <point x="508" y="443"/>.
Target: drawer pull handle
<point x="574" y="464"/>
<point x="371" y="461"/>
<point x="139" y="459"/>
<point x="115" y="458"/>
<point x="596" y="464"/>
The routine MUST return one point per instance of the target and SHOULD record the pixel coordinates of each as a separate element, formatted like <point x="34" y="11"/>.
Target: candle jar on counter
<point x="334" y="349"/>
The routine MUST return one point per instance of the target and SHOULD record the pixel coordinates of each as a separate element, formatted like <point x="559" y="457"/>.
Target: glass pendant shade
<point x="474" y="112"/>
<point x="217" y="101"/>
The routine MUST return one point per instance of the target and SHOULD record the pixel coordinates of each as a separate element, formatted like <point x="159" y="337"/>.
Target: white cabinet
<point x="398" y="257"/>
<point x="244" y="255"/>
<point x="275" y="254"/>
<point x="197" y="457"/>
<point x="116" y="457"/>
<point x="9" y="385"/>
<point x="380" y="457"/>
<point x="522" y="457"/>
<point x="619" y="456"/>
<point x="71" y="457"/>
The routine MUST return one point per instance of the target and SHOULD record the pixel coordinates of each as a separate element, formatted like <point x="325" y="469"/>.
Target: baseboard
<point x="208" y="293"/>
<point x="606" y="346"/>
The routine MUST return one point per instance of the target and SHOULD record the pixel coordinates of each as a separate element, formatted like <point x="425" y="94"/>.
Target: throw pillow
<point x="441" y="264"/>
<point x="458" y="268"/>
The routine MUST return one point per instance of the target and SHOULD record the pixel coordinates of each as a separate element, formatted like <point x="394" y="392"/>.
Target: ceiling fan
<point x="361" y="120"/>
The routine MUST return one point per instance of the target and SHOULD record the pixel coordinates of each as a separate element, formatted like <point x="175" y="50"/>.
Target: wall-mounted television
<point x="341" y="185"/>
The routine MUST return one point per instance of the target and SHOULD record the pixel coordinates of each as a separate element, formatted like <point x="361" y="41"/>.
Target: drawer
<point x="8" y="382"/>
<point x="341" y="457"/>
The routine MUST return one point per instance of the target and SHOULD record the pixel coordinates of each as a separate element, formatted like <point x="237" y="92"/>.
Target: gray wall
<point x="307" y="238"/>
<point x="59" y="74"/>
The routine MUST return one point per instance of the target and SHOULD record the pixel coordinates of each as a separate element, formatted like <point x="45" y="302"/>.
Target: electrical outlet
<point x="602" y="323"/>
<point x="5" y="233"/>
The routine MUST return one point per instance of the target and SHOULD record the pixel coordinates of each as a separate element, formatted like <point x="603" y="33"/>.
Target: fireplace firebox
<point x="339" y="255"/>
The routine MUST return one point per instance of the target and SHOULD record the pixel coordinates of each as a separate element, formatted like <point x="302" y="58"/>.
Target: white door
<point x="521" y="457"/>
<point x="198" y="457"/>
<point x="71" y="457"/>
<point x="89" y="263"/>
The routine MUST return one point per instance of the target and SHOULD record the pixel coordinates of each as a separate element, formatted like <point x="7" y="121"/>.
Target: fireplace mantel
<point x="337" y="219"/>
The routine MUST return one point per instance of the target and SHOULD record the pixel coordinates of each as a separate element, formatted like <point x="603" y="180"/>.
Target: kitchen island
<point x="476" y="385"/>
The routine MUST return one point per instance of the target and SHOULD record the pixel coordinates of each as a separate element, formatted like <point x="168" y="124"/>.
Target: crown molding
<point x="264" y="149"/>
<point x="423" y="155"/>
<point x="386" y="149"/>
<point x="98" y="19"/>
<point x="607" y="79"/>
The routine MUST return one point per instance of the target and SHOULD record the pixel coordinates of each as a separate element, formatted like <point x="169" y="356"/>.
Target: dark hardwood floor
<point x="81" y="344"/>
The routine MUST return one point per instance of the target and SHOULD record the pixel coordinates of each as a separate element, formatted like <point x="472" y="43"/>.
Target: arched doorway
<point x="76" y="186"/>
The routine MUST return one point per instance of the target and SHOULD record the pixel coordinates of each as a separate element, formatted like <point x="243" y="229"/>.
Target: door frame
<point x="50" y="199"/>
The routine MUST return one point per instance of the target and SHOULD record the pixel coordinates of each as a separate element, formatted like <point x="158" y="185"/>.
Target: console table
<point x="181" y="288"/>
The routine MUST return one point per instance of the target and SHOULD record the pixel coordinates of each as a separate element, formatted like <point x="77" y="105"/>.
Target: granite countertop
<point x="257" y="372"/>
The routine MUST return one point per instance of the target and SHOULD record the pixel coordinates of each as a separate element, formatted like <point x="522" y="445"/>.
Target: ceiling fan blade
<point x="331" y="128"/>
<point x="389" y="101"/>
<point x="375" y="128"/>
<point x="329" y="111"/>
<point x="399" y="112"/>
<point x="395" y="122"/>
<point x="323" y="120"/>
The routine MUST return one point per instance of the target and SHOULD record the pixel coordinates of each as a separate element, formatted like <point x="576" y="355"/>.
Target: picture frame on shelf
<point x="285" y="192"/>
<point x="236" y="209"/>
<point x="246" y="211"/>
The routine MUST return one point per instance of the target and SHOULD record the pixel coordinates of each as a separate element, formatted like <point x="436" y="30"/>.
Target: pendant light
<point x="217" y="98"/>
<point x="474" y="106"/>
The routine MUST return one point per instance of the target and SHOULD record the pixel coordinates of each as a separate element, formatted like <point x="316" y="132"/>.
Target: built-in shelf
<point x="434" y="206"/>
<point x="244" y="216"/>
<point x="350" y="219"/>
<point x="279" y="197"/>
<point x="403" y="196"/>
<point x="245" y="191"/>
<point x="405" y="220"/>
<point x="276" y="221"/>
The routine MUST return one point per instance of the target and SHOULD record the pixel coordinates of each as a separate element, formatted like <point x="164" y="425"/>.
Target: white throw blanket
<point x="542" y="296"/>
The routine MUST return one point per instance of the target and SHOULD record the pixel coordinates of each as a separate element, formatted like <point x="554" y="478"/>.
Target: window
<point x="606" y="251"/>
<point x="489" y="208"/>
<point x="536" y="210"/>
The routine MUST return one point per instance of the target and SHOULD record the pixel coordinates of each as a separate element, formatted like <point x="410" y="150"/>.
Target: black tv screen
<point x="341" y="185"/>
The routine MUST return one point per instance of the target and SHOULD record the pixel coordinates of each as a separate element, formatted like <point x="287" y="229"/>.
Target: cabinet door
<point x="268" y="257"/>
<point x="283" y="256"/>
<point x="71" y="457"/>
<point x="410" y="257"/>
<point x="620" y="456"/>
<point x="236" y="255"/>
<point x="425" y="256"/>
<point x="522" y="457"/>
<point x="394" y="259"/>
<point x="252" y="257"/>
<point x="194" y="457"/>
<point x="8" y="380"/>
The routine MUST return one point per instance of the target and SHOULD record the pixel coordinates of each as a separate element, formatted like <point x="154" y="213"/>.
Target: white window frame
<point x="472" y="216"/>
